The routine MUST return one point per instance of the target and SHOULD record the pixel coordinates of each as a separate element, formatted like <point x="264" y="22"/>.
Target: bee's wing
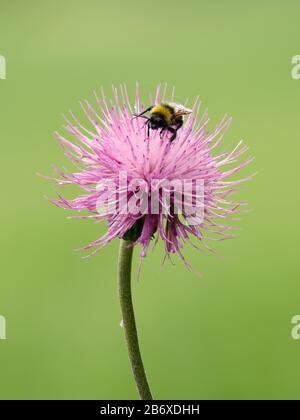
<point x="181" y="109"/>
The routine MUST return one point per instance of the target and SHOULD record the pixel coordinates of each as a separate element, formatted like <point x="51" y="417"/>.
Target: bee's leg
<point x="148" y="128"/>
<point x="162" y="132"/>
<point x="179" y="125"/>
<point x="174" y="130"/>
<point x="174" y="133"/>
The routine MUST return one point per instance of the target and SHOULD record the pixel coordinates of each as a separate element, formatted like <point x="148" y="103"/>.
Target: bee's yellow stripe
<point x="160" y="109"/>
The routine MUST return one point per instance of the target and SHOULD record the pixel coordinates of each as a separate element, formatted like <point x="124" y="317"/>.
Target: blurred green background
<point x="226" y="335"/>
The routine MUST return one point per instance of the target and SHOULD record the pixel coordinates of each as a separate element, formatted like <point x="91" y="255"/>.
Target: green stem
<point x="125" y="264"/>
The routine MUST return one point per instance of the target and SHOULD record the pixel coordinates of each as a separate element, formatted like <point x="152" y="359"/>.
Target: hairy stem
<point x="129" y="324"/>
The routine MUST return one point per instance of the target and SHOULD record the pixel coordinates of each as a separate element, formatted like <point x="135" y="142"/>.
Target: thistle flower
<point x="147" y="186"/>
<point x="120" y="145"/>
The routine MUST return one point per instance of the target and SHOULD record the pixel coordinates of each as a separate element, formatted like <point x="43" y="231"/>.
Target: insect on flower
<point x="118" y="144"/>
<point x="165" y="116"/>
<point x="146" y="187"/>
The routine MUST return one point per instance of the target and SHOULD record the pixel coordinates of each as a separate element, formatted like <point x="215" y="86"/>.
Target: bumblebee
<point x="165" y="117"/>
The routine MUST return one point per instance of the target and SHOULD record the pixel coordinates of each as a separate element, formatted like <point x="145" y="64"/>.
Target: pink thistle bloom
<point x="117" y="151"/>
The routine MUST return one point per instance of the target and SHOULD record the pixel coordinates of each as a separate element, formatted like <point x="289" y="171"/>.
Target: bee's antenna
<point x="139" y="116"/>
<point x="142" y="113"/>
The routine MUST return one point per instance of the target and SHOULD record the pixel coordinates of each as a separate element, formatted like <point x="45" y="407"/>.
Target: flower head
<point x="146" y="186"/>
